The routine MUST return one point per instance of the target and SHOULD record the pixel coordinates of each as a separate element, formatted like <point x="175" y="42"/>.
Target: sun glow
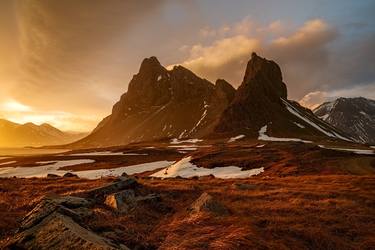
<point x="13" y="105"/>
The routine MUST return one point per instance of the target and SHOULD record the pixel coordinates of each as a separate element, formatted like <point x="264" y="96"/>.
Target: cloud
<point x="314" y="99"/>
<point x="300" y="53"/>
<point x="225" y="57"/>
<point x="68" y="56"/>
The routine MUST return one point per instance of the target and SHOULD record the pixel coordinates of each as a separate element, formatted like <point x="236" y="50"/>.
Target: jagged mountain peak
<point x="150" y="64"/>
<point x="264" y="77"/>
<point x="176" y="103"/>
<point x="355" y="116"/>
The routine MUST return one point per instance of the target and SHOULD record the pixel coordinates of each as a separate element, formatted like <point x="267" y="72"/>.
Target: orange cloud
<point x="298" y="52"/>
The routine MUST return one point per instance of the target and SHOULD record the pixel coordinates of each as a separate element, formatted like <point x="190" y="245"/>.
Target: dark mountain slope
<point x="261" y="100"/>
<point x="355" y="116"/>
<point x="162" y="104"/>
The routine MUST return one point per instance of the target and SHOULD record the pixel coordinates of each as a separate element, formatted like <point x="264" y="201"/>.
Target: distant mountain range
<point x="355" y="116"/>
<point x="161" y="104"/>
<point x="28" y="134"/>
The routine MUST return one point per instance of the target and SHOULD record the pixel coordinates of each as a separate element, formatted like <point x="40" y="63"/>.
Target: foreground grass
<point x="303" y="212"/>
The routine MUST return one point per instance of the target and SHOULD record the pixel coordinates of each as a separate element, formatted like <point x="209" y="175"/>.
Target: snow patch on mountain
<point x="177" y="141"/>
<point x="353" y="150"/>
<point x="295" y="112"/>
<point x="264" y="137"/>
<point x="299" y="125"/>
<point x="233" y="139"/>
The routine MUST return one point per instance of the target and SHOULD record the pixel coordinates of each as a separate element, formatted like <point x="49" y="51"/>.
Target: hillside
<point x="29" y="134"/>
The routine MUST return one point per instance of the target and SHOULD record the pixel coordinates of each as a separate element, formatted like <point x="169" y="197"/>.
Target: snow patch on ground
<point x="177" y="141"/>
<point x="264" y="137"/>
<point x="356" y="151"/>
<point x="185" y="169"/>
<point x="54" y="168"/>
<point x="3" y="158"/>
<point x="8" y="162"/>
<point x="130" y="154"/>
<point x="233" y="139"/>
<point x="187" y="149"/>
<point x="134" y="169"/>
<point x="159" y="78"/>
<point x="100" y="153"/>
<point x="260" y="146"/>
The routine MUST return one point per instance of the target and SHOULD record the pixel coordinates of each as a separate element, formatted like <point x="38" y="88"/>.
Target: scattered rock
<point x="59" y="231"/>
<point x="53" y="176"/>
<point x="206" y="203"/>
<point x="83" y="212"/>
<point x="149" y="198"/>
<point x="121" y="201"/>
<point x="123" y="183"/>
<point x="49" y="205"/>
<point x="55" y="224"/>
<point x="69" y="175"/>
<point x="72" y="201"/>
<point x="125" y="175"/>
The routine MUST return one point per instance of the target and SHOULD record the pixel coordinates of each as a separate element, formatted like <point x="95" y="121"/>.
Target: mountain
<point x="29" y="134"/>
<point x="262" y="100"/>
<point x="176" y="103"/>
<point x="162" y="103"/>
<point x="355" y="116"/>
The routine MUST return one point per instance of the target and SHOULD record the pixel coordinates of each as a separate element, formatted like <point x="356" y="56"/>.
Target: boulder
<point x="49" y="205"/>
<point x="123" y="183"/>
<point x="69" y="175"/>
<point x="122" y="201"/>
<point x="206" y="203"/>
<point x="53" y="176"/>
<point x="58" y="231"/>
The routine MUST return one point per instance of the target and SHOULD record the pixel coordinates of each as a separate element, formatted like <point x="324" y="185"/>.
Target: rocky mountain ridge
<point x="355" y="116"/>
<point x="162" y="104"/>
<point x="30" y="134"/>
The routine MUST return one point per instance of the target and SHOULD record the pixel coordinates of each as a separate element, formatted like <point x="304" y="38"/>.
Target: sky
<point x="67" y="62"/>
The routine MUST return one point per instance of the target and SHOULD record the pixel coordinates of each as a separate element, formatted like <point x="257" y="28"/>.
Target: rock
<point x="206" y="203"/>
<point x="58" y="231"/>
<point x="69" y="175"/>
<point x="123" y="183"/>
<point x="125" y="175"/>
<point x="53" y="176"/>
<point x="72" y="201"/>
<point x="149" y="198"/>
<point x="83" y="212"/>
<point x="49" y="205"/>
<point x="39" y="212"/>
<point x="122" y="201"/>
